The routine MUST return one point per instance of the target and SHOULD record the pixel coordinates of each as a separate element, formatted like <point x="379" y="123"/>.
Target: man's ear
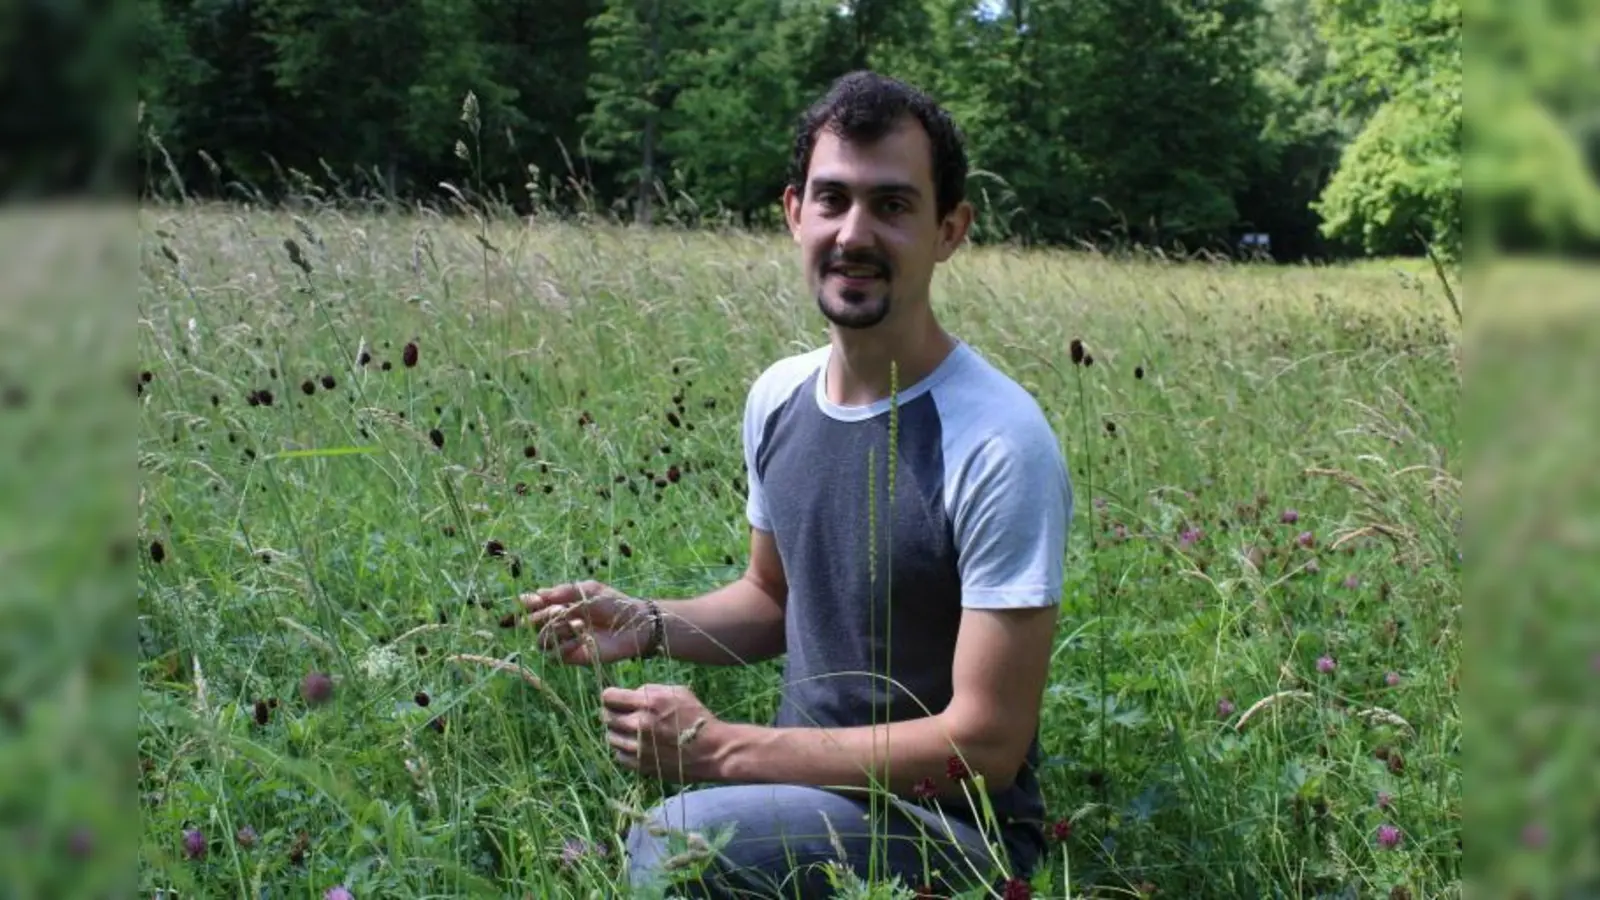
<point x="953" y="230"/>
<point x="791" y="210"/>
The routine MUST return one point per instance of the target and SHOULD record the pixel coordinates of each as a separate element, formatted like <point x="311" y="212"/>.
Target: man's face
<point x="868" y="227"/>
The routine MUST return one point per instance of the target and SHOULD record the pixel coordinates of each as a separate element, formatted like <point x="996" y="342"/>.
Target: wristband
<point x="657" y="631"/>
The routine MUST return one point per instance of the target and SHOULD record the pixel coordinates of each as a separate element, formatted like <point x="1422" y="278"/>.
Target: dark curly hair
<point x="862" y="107"/>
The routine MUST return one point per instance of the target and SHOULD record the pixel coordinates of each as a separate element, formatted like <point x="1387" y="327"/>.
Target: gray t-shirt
<point x="982" y="504"/>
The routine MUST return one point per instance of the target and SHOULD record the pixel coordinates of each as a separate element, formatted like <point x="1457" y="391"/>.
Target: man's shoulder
<point x="779" y="380"/>
<point x="774" y="387"/>
<point x="986" y="409"/>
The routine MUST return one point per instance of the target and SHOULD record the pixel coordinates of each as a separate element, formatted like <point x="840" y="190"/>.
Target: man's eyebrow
<point x="889" y="187"/>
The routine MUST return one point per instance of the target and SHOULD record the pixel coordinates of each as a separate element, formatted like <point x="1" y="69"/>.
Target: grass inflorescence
<point x="362" y="436"/>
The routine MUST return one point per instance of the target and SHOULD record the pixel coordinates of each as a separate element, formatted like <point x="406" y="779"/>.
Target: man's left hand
<point x="661" y="730"/>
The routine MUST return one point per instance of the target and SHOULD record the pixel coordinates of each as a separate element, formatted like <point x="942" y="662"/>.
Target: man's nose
<point x="855" y="230"/>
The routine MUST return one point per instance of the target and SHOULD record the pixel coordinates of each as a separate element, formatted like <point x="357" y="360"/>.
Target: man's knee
<point x="726" y="841"/>
<point x="677" y="837"/>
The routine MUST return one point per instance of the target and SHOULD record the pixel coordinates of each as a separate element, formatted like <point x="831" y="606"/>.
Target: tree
<point x="1397" y="64"/>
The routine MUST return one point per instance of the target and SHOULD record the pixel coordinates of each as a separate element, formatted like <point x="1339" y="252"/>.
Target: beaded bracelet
<point x="657" y="631"/>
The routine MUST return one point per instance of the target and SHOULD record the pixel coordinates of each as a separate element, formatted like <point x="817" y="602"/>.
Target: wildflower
<point x="1017" y="889"/>
<point x="364" y="358"/>
<point x="422" y="698"/>
<point x="530" y="451"/>
<point x="673" y="420"/>
<point x="1061" y="830"/>
<point x="316" y="688"/>
<point x="409" y="355"/>
<point x="1351" y="582"/>
<point x="1385" y="801"/>
<point x="246" y="837"/>
<point x="387" y="365"/>
<point x="956" y="769"/>
<point x="1306" y="539"/>
<point x="1399" y="892"/>
<point x="1534" y="835"/>
<point x="1388" y="836"/>
<point x="925" y="789"/>
<point x="338" y="892"/>
<point x="1326" y="665"/>
<point x="1189" y="537"/>
<point x="494" y="548"/>
<point x="1312" y="567"/>
<point x="263" y="714"/>
<point x="574" y="850"/>
<point x="194" y="844"/>
<point x="1392" y="679"/>
<point x="1289" y="516"/>
<point x="1076" y="350"/>
<point x="1138" y="372"/>
<point x="328" y="382"/>
<point x="1225" y="708"/>
<point x="308" y="387"/>
<point x="80" y="843"/>
<point x="157" y="552"/>
<point x="437" y="437"/>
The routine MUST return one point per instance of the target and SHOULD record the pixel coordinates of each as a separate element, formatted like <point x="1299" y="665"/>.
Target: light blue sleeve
<point x="1011" y="509"/>
<point x="755" y="507"/>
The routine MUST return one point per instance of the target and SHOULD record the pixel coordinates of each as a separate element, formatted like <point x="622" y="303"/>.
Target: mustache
<point x="857" y="258"/>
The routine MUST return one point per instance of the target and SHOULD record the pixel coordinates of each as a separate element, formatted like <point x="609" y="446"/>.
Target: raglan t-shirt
<point x="978" y="519"/>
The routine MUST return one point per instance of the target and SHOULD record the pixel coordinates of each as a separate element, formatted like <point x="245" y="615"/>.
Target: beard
<point x="850" y="307"/>
<point x="854" y="309"/>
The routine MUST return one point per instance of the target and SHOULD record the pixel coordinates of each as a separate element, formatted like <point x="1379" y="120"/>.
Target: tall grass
<point x="1267" y="466"/>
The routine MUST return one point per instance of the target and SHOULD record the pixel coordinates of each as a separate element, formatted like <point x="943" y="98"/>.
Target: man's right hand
<point x="577" y="622"/>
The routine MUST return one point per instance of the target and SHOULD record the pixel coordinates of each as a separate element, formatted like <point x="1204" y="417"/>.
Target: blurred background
<point x="1289" y="130"/>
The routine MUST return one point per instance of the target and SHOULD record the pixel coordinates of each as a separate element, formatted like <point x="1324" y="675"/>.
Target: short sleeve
<point x="1012" y="509"/>
<point x="755" y="507"/>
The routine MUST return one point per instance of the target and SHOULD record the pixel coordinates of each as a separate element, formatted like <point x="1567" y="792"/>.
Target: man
<point x="933" y="610"/>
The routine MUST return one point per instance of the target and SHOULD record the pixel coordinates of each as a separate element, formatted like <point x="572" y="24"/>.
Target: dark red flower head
<point x="1077" y="352"/>
<point x="409" y="355"/>
<point x="1017" y="889"/>
<point x="956" y="769"/>
<point x="316" y="688"/>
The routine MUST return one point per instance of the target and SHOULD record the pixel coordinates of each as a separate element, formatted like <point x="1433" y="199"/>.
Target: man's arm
<point x="739" y="623"/>
<point x="1002" y="660"/>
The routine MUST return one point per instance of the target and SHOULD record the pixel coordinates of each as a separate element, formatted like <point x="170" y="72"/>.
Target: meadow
<point x="361" y="436"/>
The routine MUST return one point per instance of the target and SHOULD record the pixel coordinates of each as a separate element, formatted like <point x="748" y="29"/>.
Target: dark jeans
<point x="781" y="843"/>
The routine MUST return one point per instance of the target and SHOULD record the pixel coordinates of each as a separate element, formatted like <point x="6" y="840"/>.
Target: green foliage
<point x="1154" y="122"/>
<point x="1400" y="180"/>
<point x="1396" y="63"/>
<point x="1532" y="148"/>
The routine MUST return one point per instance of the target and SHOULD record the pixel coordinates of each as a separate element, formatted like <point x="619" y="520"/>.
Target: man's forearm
<point x="733" y="625"/>
<point x="906" y="757"/>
